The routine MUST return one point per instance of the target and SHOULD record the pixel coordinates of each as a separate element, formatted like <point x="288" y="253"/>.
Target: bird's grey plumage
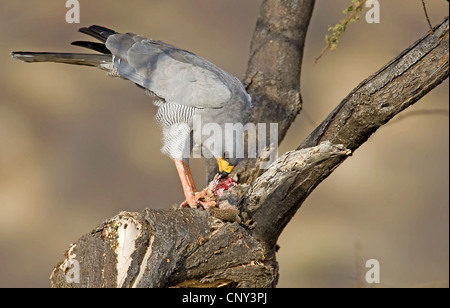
<point x="174" y="74"/>
<point x="186" y="84"/>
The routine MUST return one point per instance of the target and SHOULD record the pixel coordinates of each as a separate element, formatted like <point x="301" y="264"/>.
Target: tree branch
<point x="273" y="199"/>
<point x="396" y="86"/>
<point x="165" y="248"/>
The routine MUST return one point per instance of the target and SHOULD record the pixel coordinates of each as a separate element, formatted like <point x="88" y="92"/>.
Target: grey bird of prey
<point x="191" y="90"/>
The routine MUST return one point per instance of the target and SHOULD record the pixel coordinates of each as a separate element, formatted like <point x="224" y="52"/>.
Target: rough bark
<point x="166" y="248"/>
<point x="187" y="247"/>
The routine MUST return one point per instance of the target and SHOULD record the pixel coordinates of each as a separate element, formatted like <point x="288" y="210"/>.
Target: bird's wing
<point x="176" y="75"/>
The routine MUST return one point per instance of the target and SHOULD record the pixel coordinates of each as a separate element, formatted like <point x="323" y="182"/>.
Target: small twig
<point x="336" y="34"/>
<point x="324" y="50"/>
<point x="426" y="15"/>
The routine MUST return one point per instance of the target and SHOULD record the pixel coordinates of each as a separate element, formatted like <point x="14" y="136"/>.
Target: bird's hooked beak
<point x="224" y="167"/>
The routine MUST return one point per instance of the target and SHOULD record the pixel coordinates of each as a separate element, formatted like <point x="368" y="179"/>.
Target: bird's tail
<point x="103" y="60"/>
<point x="100" y="61"/>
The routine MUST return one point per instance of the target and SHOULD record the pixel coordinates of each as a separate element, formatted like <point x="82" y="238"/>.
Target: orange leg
<point x="192" y="197"/>
<point x="187" y="182"/>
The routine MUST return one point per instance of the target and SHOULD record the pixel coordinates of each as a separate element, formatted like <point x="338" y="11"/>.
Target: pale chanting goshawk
<point x="189" y="89"/>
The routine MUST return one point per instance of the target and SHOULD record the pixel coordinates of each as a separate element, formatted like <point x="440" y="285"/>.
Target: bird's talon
<point x="199" y="199"/>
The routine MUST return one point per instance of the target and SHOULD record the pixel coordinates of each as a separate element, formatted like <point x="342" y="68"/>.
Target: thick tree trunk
<point x="274" y="67"/>
<point x="193" y="247"/>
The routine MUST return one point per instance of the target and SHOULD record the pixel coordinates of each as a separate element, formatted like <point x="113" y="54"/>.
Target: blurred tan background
<point x="77" y="147"/>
